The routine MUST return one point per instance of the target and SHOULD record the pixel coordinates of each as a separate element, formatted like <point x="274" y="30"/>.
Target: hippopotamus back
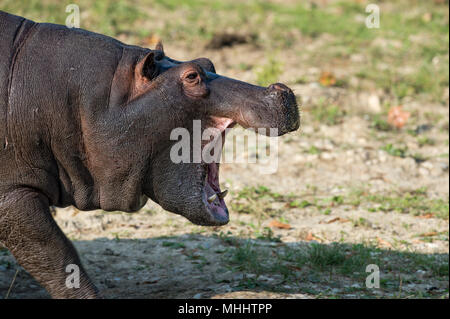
<point x="13" y="30"/>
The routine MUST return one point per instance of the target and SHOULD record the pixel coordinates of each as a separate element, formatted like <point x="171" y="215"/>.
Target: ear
<point x="146" y="69"/>
<point x="159" y="47"/>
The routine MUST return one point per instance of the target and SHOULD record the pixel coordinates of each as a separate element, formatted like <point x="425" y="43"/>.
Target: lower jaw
<point x="216" y="207"/>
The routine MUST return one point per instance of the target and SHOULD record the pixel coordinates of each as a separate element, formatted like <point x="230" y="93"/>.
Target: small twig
<point x="400" y="286"/>
<point x="12" y="283"/>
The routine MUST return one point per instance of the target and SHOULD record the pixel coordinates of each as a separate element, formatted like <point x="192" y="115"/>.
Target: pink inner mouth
<point x="216" y="206"/>
<point x="213" y="196"/>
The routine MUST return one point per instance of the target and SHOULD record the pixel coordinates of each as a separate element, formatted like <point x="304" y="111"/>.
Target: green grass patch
<point x="398" y="151"/>
<point x="269" y="72"/>
<point x="331" y="264"/>
<point x="328" y="114"/>
<point x="403" y="152"/>
<point x="425" y="141"/>
<point x="314" y="150"/>
<point x="380" y="123"/>
<point x="258" y="200"/>
<point x="410" y="204"/>
<point x="174" y="245"/>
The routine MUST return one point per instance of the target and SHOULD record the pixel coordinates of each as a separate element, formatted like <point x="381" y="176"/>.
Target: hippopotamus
<point x="85" y="121"/>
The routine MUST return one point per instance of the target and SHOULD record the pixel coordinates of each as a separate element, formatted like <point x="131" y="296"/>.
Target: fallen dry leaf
<point x="295" y="268"/>
<point x="327" y="79"/>
<point x="382" y="242"/>
<point x="336" y="219"/>
<point x="329" y="221"/>
<point x="277" y="224"/>
<point x="430" y="234"/>
<point x="426" y="216"/>
<point x="397" y="117"/>
<point x="310" y="237"/>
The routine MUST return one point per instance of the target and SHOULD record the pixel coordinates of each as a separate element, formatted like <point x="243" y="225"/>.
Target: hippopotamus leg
<point x="29" y="231"/>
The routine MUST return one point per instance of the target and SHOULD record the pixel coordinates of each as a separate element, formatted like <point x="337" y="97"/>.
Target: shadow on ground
<point x="223" y="266"/>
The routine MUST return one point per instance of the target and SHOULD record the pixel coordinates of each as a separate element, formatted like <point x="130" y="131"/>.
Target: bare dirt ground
<point x="341" y="199"/>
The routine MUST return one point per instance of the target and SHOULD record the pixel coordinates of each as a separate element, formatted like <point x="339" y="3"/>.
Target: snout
<point x="281" y="97"/>
<point x="251" y="106"/>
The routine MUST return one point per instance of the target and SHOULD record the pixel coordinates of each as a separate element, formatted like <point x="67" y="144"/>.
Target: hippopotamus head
<point x="168" y="94"/>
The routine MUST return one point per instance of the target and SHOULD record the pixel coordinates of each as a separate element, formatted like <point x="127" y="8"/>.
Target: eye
<point x="192" y="76"/>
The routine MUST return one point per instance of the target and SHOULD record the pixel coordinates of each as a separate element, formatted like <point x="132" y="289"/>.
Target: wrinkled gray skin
<point x="85" y="121"/>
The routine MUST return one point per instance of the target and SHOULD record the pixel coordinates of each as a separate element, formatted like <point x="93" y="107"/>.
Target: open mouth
<point x="213" y="196"/>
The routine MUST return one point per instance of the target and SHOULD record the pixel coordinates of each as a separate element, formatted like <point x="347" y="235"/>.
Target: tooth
<point x="212" y="198"/>
<point x="223" y="194"/>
